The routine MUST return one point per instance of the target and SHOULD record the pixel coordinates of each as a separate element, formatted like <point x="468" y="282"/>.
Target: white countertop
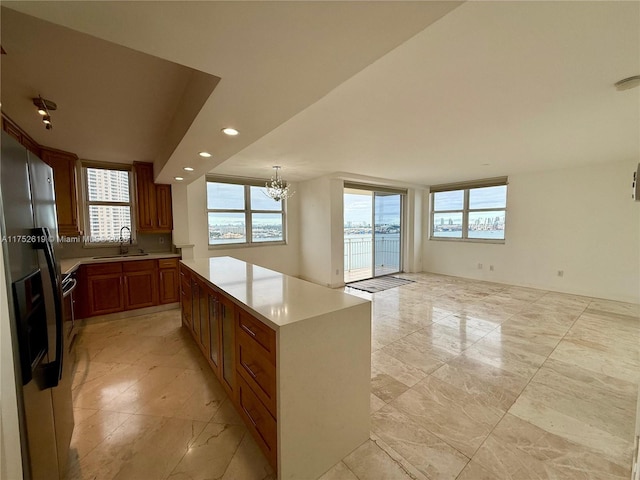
<point x="68" y="265"/>
<point x="275" y="298"/>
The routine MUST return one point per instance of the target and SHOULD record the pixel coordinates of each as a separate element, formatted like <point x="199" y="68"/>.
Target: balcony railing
<point x="358" y="253"/>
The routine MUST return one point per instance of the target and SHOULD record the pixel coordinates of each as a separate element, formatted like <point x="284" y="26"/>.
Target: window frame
<point x="466" y="210"/>
<point x="87" y="243"/>
<point x="248" y="212"/>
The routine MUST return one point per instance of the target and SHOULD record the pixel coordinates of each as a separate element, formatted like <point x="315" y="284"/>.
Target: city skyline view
<point x="229" y="218"/>
<point x="105" y="187"/>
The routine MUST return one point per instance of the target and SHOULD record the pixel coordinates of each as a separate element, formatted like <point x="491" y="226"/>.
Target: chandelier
<point x="277" y="188"/>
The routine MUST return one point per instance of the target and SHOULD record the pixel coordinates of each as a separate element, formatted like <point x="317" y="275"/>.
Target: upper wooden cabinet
<point x="66" y="188"/>
<point x="64" y="178"/>
<point x="154" y="201"/>
<point x="16" y="132"/>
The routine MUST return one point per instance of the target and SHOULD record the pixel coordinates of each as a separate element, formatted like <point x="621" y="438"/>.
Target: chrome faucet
<point x="124" y="250"/>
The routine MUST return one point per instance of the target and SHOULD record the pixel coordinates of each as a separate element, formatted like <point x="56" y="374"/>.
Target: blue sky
<point x="357" y="209"/>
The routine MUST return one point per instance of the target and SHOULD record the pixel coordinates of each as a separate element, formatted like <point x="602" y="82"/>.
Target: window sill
<point x="468" y="240"/>
<point x="107" y="245"/>
<point x="246" y="245"/>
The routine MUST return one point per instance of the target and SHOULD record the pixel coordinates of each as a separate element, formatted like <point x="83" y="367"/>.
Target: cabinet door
<point x="163" y="207"/>
<point x="227" y="319"/>
<point x="105" y="293"/>
<point x="195" y="308"/>
<point x="146" y="195"/>
<point x="140" y="284"/>
<point x="185" y="299"/>
<point x="203" y="338"/>
<point x="168" y="285"/>
<point x="214" y="331"/>
<point x="65" y="186"/>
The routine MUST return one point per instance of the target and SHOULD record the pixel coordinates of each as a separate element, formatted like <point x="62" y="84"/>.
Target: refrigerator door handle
<point x="52" y="371"/>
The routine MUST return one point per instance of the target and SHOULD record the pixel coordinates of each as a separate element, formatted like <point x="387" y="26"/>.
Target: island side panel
<point x="324" y="378"/>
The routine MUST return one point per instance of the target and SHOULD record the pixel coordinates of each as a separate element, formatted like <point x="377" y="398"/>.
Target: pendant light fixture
<point x="277" y="188"/>
<point x="44" y="107"/>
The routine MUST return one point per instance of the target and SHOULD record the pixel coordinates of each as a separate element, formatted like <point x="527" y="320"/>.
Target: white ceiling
<point x="491" y="89"/>
<point x="114" y="104"/>
<point x="274" y="58"/>
<point x="481" y="90"/>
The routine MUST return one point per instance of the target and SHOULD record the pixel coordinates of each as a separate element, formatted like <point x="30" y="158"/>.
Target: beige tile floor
<point x="470" y="380"/>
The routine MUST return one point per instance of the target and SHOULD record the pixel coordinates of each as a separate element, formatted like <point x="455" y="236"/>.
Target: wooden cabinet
<point x="215" y="331"/>
<point x="228" y="344"/>
<point x="256" y="358"/>
<point x="16" y="132"/>
<point x="104" y="288"/>
<point x="169" y="282"/>
<point x="154" y="201"/>
<point x="241" y="351"/>
<point x="64" y="178"/>
<point x="210" y="317"/>
<point x="140" y="284"/>
<point x="127" y="285"/>
<point x="195" y="309"/>
<point x="163" y="207"/>
<point x="262" y="425"/>
<point x="66" y="189"/>
<point x="186" y="297"/>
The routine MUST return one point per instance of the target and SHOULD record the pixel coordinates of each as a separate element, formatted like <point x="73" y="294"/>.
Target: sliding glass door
<point x="372" y="233"/>
<point x="386" y="233"/>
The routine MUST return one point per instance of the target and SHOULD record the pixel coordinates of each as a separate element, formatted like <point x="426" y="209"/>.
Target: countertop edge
<point x="354" y="300"/>
<point x="69" y="265"/>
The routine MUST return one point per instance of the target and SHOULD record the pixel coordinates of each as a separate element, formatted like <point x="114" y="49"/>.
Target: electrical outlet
<point x="479" y="266"/>
<point x="491" y="268"/>
<point x="337" y="272"/>
<point x="561" y="273"/>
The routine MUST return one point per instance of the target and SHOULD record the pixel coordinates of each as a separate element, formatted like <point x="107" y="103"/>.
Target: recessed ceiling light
<point x="204" y="154"/>
<point x="188" y="169"/>
<point x="178" y="178"/>
<point x="230" y="131"/>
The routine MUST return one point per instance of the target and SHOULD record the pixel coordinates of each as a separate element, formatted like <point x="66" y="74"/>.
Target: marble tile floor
<point x="148" y="407"/>
<point x="470" y="380"/>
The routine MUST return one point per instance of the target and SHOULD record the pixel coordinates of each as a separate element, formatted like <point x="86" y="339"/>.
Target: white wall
<point x="10" y="450"/>
<point x="190" y="227"/>
<point x="321" y="231"/>
<point x="582" y="221"/>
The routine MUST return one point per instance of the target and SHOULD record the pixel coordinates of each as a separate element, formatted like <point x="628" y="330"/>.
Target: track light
<point x="45" y="106"/>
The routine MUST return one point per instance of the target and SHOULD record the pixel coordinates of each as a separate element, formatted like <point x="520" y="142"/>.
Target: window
<point x="474" y="213"/>
<point x="243" y="214"/>
<point x="108" y="201"/>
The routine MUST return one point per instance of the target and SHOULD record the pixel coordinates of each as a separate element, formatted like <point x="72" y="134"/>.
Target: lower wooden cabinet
<point x="169" y="281"/>
<point x="118" y="286"/>
<point x="140" y="284"/>
<point x="262" y="425"/>
<point x="241" y="351"/>
<point x="104" y="289"/>
<point x="186" y="298"/>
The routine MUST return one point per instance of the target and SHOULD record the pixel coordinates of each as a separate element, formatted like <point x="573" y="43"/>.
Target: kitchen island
<point x="295" y="358"/>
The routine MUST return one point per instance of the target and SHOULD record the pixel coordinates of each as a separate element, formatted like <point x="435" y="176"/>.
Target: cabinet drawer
<point x="184" y="272"/>
<point x="259" y="332"/>
<point x="257" y="369"/>
<point x="168" y="263"/>
<point x="104" y="268"/>
<point x="261" y="425"/>
<point x="139" y="265"/>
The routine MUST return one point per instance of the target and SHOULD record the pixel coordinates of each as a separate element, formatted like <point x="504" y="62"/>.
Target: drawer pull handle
<point x="248" y="330"/>
<point x="248" y="412"/>
<point x="251" y="372"/>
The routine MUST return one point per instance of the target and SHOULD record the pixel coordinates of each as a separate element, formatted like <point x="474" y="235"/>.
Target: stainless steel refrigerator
<point x="43" y="378"/>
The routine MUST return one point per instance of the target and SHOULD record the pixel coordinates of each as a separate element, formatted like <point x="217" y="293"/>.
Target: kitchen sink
<point x="121" y="255"/>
